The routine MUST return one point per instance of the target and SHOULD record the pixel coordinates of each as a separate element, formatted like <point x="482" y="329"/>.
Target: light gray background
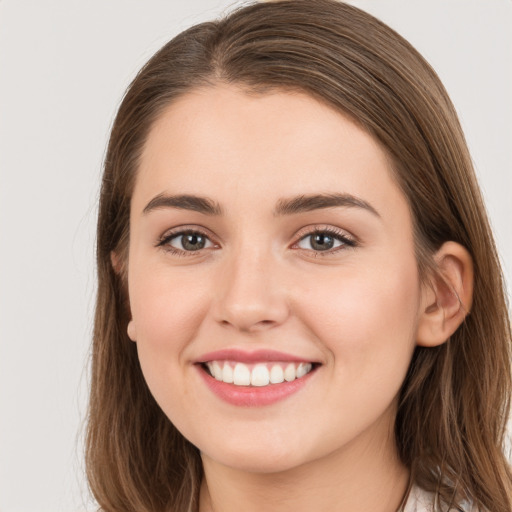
<point x="64" y="65"/>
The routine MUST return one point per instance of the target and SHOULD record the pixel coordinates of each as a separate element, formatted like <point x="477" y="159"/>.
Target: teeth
<point x="241" y="375"/>
<point x="290" y="373"/>
<point x="276" y="374"/>
<point x="302" y="369"/>
<point x="227" y="373"/>
<point x="258" y="375"/>
<point x="217" y="370"/>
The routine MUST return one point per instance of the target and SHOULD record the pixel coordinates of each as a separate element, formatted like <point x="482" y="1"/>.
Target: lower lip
<point x="253" y="396"/>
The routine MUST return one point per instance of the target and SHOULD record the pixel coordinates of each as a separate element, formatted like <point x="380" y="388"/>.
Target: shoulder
<point x="420" y="500"/>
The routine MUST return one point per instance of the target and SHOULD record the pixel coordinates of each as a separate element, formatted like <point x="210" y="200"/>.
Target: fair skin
<point x="334" y="285"/>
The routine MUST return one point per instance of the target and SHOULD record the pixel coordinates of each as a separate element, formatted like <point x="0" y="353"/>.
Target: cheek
<point x="166" y="308"/>
<point x="167" y="311"/>
<point x="365" y="314"/>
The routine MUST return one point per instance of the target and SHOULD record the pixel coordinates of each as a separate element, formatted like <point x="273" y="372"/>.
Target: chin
<point x="259" y="456"/>
<point x="254" y="462"/>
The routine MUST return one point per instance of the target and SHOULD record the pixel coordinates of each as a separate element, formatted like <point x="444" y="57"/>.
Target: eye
<point x="185" y="241"/>
<point x="325" y="240"/>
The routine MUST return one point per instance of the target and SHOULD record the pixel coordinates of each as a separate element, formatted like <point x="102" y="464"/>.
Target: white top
<point x="419" y="500"/>
<point x="422" y="501"/>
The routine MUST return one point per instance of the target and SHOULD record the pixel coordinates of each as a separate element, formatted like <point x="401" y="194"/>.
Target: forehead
<point x="250" y="148"/>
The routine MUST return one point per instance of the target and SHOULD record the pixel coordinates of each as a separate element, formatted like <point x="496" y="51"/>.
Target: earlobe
<point x="447" y="298"/>
<point x="130" y="329"/>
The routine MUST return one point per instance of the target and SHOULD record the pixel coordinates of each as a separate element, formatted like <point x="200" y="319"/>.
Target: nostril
<point x="247" y="326"/>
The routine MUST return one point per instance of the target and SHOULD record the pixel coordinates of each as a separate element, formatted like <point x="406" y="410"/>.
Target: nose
<point x="251" y="295"/>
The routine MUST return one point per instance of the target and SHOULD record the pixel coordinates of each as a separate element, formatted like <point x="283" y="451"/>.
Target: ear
<point x="447" y="298"/>
<point x="132" y="332"/>
<point x="119" y="268"/>
<point x="116" y="261"/>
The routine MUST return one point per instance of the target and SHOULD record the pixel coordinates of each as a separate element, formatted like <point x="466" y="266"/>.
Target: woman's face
<point x="270" y="245"/>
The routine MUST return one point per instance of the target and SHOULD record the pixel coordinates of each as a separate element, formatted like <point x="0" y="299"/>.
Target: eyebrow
<point x="307" y="203"/>
<point x="288" y="206"/>
<point x="184" y="202"/>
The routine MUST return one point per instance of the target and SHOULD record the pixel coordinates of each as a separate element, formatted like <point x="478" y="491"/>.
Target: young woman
<point x="300" y="306"/>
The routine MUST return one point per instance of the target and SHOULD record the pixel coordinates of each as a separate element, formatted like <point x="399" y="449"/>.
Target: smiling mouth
<point x="257" y="375"/>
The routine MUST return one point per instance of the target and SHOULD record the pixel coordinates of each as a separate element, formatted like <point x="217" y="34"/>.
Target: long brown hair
<point x="454" y="401"/>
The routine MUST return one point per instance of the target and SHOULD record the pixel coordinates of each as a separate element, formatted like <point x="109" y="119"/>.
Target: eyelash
<point x="341" y="236"/>
<point x="347" y="242"/>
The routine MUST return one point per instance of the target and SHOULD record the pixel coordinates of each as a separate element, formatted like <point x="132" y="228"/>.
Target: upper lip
<point x="255" y="356"/>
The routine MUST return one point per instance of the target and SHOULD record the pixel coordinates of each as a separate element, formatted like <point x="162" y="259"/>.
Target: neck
<point x="366" y="475"/>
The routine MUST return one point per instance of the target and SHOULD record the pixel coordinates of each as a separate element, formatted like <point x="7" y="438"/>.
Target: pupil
<point x="322" y="242"/>
<point x="193" y="242"/>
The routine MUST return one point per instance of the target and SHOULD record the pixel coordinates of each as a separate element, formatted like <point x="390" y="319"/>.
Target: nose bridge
<point x="250" y="293"/>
